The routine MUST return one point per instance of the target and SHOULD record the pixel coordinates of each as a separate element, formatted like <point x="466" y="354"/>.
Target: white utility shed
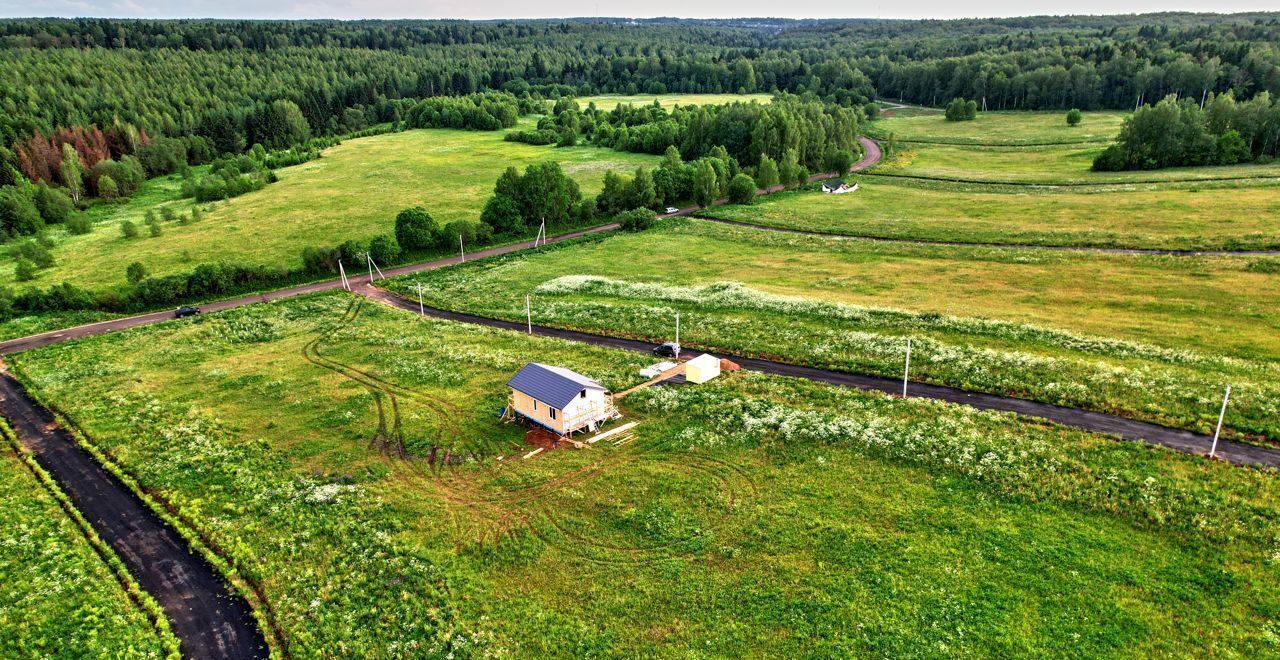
<point x="702" y="368"/>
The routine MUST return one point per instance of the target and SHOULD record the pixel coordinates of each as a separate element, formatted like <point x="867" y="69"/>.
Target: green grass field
<point x="1002" y="128"/>
<point x="609" y="101"/>
<point x="1234" y="218"/>
<point x="353" y="192"/>
<point x="1058" y="165"/>
<point x="769" y="517"/>
<point x="1143" y="336"/>
<point x="58" y="597"/>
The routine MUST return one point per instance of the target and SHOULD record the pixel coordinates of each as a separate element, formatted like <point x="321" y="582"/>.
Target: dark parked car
<point x="669" y="349"/>
<point x="183" y="312"/>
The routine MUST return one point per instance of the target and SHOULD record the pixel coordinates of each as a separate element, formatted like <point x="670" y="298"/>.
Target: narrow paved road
<point x="103" y="327"/>
<point x="209" y="620"/>
<point x="1127" y="429"/>
<point x="871" y="154"/>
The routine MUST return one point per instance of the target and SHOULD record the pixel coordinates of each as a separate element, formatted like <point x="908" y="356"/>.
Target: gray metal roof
<point x="554" y="386"/>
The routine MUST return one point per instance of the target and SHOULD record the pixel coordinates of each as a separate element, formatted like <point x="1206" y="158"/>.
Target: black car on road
<point x="669" y="349"/>
<point x="184" y="312"/>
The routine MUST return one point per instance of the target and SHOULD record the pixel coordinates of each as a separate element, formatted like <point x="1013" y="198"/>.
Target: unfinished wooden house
<point x="559" y="400"/>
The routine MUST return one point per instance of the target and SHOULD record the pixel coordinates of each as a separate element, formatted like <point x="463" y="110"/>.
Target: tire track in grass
<point x="511" y="508"/>
<point x="718" y="520"/>
<point x="388" y="439"/>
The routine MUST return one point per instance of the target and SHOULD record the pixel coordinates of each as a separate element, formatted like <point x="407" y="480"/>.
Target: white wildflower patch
<point x="953" y="440"/>
<point x="326" y="493"/>
<point x="738" y="296"/>
<point x="243" y="330"/>
<point x="1158" y="384"/>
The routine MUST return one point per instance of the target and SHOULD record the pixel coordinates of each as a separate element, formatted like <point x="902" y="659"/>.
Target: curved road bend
<point x="1009" y="246"/>
<point x="1127" y="429"/>
<point x="209" y="620"/>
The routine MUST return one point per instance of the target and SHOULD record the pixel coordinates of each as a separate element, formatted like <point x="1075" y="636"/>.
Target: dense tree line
<point x="1048" y="62"/>
<point x="810" y="130"/>
<point x="481" y="112"/>
<point x="1176" y="133"/>
<point x="80" y="72"/>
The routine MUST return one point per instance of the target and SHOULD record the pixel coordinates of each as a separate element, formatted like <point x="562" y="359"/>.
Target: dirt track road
<point x="209" y="620"/>
<point x="1127" y="429"/>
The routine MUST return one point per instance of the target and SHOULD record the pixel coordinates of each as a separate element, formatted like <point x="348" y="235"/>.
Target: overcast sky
<point x="562" y="8"/>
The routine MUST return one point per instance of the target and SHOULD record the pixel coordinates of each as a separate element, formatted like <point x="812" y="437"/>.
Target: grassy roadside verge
<point x="184" y="521"/>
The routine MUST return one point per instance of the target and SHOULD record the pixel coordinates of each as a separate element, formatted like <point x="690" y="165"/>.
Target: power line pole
<point x="677" y="335"/>
<point x="528" y="313"/>
<point x="417" y="286"/>
<point x="343" y="274"/>
<point x="367" y="262"/>
<point x="1214" y="449"/>
<point x="462" y="248"/>
<point x="907" y="369"/>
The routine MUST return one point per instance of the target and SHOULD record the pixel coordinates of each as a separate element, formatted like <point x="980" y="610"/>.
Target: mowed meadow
<point x="352" y="193"/>
<point x="610" y="101"/>
<point x="1238" y="218"/>
<point x="999" y="128"/>
<point x="1049" y="166"/>
<point x="1029" y="148"/>
<point x="866" y="523"/>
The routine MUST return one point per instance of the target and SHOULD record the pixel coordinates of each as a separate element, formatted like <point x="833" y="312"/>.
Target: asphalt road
<point x="103" y="327"/>
<point x="209" y="620"/>
<point x="1126" y="429"/>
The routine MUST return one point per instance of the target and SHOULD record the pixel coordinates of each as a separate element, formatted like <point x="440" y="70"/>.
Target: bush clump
<point x="636" y="219"/>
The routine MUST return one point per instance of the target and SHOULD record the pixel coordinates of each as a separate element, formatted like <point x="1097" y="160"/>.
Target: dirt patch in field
<point x="542" y="438"/>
